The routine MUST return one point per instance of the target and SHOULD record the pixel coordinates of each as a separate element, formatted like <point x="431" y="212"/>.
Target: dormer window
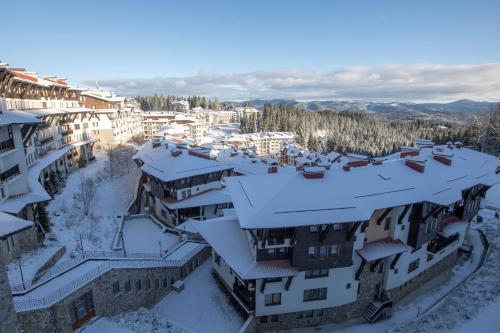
<point x="313" y="228"/>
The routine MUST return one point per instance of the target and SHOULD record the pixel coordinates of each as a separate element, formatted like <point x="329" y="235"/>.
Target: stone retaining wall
<point x="106" y="301"/>
<point x="19" y="243"/>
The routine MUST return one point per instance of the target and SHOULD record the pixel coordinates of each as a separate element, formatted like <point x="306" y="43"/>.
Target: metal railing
<point x="110" y="260"/>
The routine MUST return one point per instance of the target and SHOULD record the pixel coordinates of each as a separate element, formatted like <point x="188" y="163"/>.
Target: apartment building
<point x="264" y="143"/>
<point x="17" y="231"/>
<point x="182" y="183"/>
<point x="320" y="246"/>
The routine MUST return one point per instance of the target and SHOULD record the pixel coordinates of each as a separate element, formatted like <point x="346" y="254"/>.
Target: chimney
<point x="314" y="172"/>
<point x="175" y="152"/>
<point x="417" y="164"/>
<point x="346" y="167"/>
<point x="442" y="156"/>
<point x="356" y="160"/>
<point x="425" y="143"/>
<point x="272" y="165"/>
<point x="408" y="151"/>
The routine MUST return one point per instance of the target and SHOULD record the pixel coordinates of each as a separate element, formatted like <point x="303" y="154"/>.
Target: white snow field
<point x="143" y="235"/>
<point x="97" y="231"/>
<point x="202" y="307"/>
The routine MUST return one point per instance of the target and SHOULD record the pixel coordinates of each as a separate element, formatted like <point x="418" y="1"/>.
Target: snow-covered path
<point x="112" y="199"/>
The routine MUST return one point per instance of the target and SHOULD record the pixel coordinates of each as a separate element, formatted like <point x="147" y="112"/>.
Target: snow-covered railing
<point x="64" y="266"/>
<point x="29" y="304"/>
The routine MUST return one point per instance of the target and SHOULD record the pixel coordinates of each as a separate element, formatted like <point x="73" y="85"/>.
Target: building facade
<point x="323" y="246"/>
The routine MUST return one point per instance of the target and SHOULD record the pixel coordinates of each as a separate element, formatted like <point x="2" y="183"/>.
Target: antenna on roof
<point x="96" y="85"/>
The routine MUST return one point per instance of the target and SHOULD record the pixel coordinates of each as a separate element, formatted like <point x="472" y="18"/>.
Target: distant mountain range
<point x="459" y="111"/>
<point x="463" y="105"/>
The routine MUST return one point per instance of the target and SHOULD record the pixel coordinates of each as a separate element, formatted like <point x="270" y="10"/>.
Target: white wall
<point x="292" y="300"/>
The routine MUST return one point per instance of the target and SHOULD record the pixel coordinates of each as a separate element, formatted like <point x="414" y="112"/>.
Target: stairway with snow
<point x="379" y="308"/>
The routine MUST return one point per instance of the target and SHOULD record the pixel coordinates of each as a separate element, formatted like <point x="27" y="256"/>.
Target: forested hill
<point x="165" y="102"/>
<point x="353" y="131"/>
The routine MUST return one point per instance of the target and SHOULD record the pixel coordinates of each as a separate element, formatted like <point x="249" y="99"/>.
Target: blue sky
<point x="133" y="45"/>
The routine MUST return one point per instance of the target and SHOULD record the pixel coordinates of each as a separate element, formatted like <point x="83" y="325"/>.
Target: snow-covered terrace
<point x="231" y="243"/>
<point x="289" y="199"/>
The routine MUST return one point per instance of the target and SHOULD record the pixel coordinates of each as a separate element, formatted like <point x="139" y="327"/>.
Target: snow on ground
<point x="140" y="321"/>
<point x="202" y="307"/>
<point x="476" y="301"/>
<point x="112" y="199"/>
<point x="143" y="235"/>
<point x="30" y="262"/>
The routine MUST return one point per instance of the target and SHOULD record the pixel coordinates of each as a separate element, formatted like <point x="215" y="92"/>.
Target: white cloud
<point x="415" y="82"/>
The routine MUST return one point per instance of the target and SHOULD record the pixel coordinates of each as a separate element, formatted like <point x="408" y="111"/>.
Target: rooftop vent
<point x="417" y="164"/>
<point x="175" y="152"/>
<point x="357" y="160"/>
<point x="425" y="143"/>
<point x="314" y="172"/>
<point x="408" y="151"/>
<point x="443" y="156"/>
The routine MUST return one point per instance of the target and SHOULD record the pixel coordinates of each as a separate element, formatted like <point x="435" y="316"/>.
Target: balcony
<point x="65" y="132"/>
<point x="44" y="141"/>
<point x="7" y="145"/>
<point x="440" y="243"/>
<point x="244" y="297"/>
<point x="9" y="174"/>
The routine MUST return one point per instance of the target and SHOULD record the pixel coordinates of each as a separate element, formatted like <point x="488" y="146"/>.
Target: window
<point x="116" y="288"/>
<point x="138" y="285"/>
<point x="312" y="251"/>
<point x="263" y="319"/>
<point x="270" y="251"/>
<point x="157" y="284"/>
<point x="413" y="265"/>
<point x="334" y="250"/>
<point x="314" y="294"/>
<point x="313" y="228"/>
<point x="337" y="227"/>
<point x="322" y="251"/>
<point x="127" y="287"/>
<point x="308" y="314"/>
<point x="387" y="223"/>
<point x="165" y="283"/>
<point x="316" y="273"/>
<point x="77" y="126"/>
<point x="348" y="286"/>
<point x="273" y="299"/>
<point x="163" y="213"/>
<point x="430" y="257"/>
<point x="274" y="318"/>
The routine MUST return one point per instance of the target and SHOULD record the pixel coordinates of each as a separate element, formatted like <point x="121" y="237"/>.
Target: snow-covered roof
<point x="160" y="163"/>
<point x="382" y="249"/>
<point x="12" y="224"/>
<point x="187" y="226"/>
<point x="17" y="117"/>
<point x="207" y="198"/>
<point x="56" y="111"/>
<point x="289" y="199"/>
<point x="231" y="243"/>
